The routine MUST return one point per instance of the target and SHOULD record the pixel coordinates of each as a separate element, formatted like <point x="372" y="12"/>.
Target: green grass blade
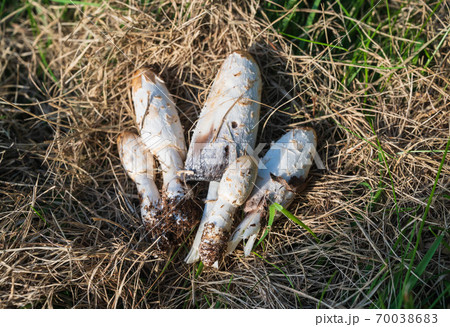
<point x="424" y="24"/>
<point x="2" y="7"/>
<point x="39" y="215"/>
<point x="45" y="63"/>
<point x="199" y="270"/>
<point x="406" y="283"/>
<point x="437" y="48"/>
<point x="389" y="25"/>
<point x="273" y="208"/>
<point x="293" y="218"/>
<point x="78" y="3"/>
<point x="446" y="293"/>
<point x="325" y="289"/>
<point x="33" y="23"/>
<point x="312" y="15"/>
<point x="315" y="42"/>
<point x="289" y="6"/>
<point x="424" y="263"/>
<point x="269" y="223"/>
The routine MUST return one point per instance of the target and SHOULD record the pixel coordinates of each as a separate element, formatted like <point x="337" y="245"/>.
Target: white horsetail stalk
<point x="229" y="119"/>
<point x="162" y="134"/>
<point x="227" y="126"/>
<point x="283" y="170"/>
<point x="139" y="165"/>
<point x="234" y="188"/>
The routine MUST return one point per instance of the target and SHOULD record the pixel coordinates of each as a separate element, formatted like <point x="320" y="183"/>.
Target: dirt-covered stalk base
<point x="213" y="245"/>
<point x="173" y="220"/>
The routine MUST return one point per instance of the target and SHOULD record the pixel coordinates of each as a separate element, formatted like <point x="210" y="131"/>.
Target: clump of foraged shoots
<point x="162" y="134"/>
<point x="139" y="165"/>
<point x="283" y="171"/>
<point x="235" y="186"/>
<point x="226" y="128"/>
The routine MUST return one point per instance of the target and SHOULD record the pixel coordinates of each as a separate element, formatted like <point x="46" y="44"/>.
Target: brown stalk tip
<point x="119" y="138"/>
<point x="308" y="128"/>
<point x="136" y="81"/>
<point x="123" y="135"/>
<point x="245" y="54"/>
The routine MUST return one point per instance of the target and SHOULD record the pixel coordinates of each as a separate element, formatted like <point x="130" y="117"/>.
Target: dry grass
<point x="70" y="232"/>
